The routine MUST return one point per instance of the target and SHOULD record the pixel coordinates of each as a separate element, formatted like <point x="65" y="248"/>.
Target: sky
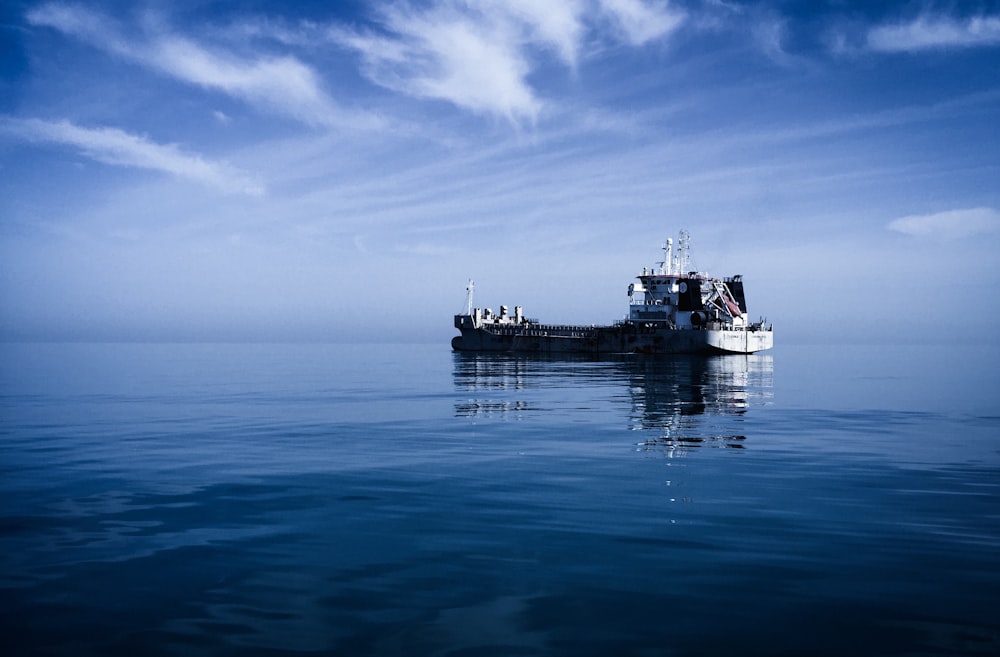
<point x="339" y="170"/>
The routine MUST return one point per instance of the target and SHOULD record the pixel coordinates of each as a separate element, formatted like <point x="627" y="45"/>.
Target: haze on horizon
<point x="338" y="171"/>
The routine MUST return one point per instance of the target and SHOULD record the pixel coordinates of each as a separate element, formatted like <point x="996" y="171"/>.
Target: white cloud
<point x="643" y="22"/>
<point x="952" y="224"/>
<point x="930" y="32"/>
<point x="424" y="249"/>
<point x="479" y="56"/>
<point x="770" y="36"/>
<point x="447" y="54"/>
<point x="281" y="85"/>
<point x="85" y="25"/>
<point x="558" y="24"/>
<point x="120" y="148"/>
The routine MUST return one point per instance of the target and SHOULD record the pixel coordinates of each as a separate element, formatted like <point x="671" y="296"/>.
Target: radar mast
<point x="667" y="266"/>
<point x="683" y="263"/>
<point x="468" y="297"/>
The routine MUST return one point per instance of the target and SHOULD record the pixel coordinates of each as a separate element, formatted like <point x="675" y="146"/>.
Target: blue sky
<point x="339" y="170"/>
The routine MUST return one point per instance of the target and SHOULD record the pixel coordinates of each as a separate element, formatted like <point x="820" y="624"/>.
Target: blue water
<point x="404" y="500"/>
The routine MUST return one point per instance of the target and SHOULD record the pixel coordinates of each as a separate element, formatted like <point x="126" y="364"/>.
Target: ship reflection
<point x="676" y="402"/>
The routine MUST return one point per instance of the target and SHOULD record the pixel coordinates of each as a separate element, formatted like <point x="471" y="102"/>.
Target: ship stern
<point x="740" y="342"/>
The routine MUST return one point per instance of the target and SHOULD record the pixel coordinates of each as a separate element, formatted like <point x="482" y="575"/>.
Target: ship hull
<point x="625" y="338"/>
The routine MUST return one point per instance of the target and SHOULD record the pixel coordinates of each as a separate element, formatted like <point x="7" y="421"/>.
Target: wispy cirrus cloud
<point x="927" y="32"/>
<point x="120" y="148"/>
<point x="558" y="25"/>
<point x="642" y="22"/>
<point x="446" y="54"/>
<point x="951" y="224"/>
<point x="279" y="85"/>
<point x="476" y="56"/>
<point x="479" y="56"/>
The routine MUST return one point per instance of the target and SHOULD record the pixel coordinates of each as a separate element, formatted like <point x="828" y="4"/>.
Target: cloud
<point x="770" y="35"/>
<point x="932" y="32"/>
<point x="446" y="54"/>
<point x="558" y="24"/>
<point x="424" y="249"/>
<point x="643" y="22"/>
<point x="479" y="56"/>
<point x="952" y="224"/>
<point x="280" y="85"/>
<point x="85" y="25"/>
<point x="120" y="148"/>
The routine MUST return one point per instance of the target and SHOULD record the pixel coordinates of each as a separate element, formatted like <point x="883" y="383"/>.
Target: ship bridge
<point x="674" y="294"/>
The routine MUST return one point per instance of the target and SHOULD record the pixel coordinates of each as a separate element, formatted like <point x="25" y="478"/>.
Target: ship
<point x="672" y="310"/>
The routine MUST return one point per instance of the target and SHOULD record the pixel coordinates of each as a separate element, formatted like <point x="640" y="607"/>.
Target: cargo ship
<point x="672" y="310"/>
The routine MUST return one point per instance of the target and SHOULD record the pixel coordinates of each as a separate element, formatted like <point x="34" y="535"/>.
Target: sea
<point x="391" y="499"/>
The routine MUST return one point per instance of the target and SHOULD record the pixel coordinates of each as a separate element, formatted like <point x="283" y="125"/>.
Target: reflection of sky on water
<point x="679" y="401"/>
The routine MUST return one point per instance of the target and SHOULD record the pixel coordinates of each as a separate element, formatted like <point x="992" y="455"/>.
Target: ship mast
<point x="683" y="254"/>
<point x="468" y="297"/>
<point x="667" y="267"/>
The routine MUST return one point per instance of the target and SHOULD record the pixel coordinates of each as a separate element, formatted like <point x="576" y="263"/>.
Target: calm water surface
<point x="404" y="500"/>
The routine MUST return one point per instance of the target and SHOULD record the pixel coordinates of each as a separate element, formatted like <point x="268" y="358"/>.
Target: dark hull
<point x="625" y="338"/>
